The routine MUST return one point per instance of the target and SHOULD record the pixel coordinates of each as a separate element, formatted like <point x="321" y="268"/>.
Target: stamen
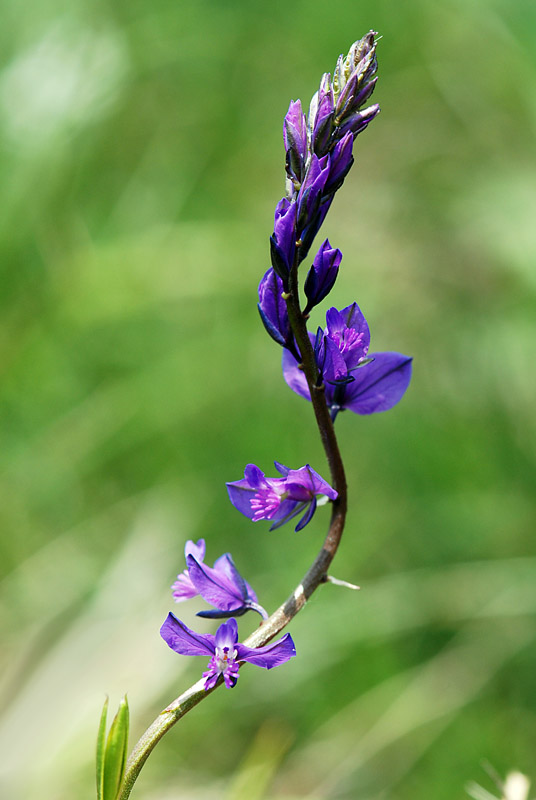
<point x="347" y="339"/>
<point x="265" y="503"/>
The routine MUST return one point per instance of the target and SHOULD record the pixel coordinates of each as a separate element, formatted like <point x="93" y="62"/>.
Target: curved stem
<point x="315" y="575"/>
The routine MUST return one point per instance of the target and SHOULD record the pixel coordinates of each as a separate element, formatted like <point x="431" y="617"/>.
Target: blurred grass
<point x="141" y="158"/>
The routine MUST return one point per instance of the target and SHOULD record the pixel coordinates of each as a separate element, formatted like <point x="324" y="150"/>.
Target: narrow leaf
<point x="116" y="752"/>
<point x="100" y="750"/>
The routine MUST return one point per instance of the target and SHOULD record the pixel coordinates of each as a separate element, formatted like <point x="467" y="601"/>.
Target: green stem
<point x="315" y="575"/>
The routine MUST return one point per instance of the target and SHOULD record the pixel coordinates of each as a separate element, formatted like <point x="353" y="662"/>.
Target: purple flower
<point x="312" y="191"/>
<point x="322" y="275"/>
<point x="273" y="310"/>
<point x="279" y="499"/>
<point x="340" y="162"/>
<point x="353" y="378"/>
<point x="224" y="650"/>
<point x="358" y="122"/>
<point x="320" y="119"/>
<point x="354" y="72"/>
<point x="349" y="330"/>
<point x="221" y="585"/>
<point x="323" y="122"/>
<point x="283" y="240"/>
<point x="295" y="136"/>
<point x="308" y="235"/>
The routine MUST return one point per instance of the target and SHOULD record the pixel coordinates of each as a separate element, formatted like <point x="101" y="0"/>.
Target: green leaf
<point x="100" y="750"/>
<point x="116" y="752"/>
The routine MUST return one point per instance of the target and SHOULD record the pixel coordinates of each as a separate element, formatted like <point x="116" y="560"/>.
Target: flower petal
<point x="185" y="641"/>
<point x="273" y="309"/>
<point x="281" y="468"/>
<point x="183" y="588"/>
<point x="294" y="376"/>
<point x="227" y="635"/>
<point x="307" y="517"/>
<point x="240" y="494"/>
<point x="214" y="586"/>
<point x="310" y="479"/>
<point x="379" y="385"/>
<point x="226" y="566"/>
<point x="289" y="509"/>
<point x="195" y="549"/>
<point x="271" y="655"/>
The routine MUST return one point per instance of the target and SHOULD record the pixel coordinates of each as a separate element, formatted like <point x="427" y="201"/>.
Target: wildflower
<point x="279" y="499"/>
<point x="295" y="137"/>
<point x="221" y="585"/>
<point x="273" y="310"/>
<point x="224" y="650"/>
<point x="353" y="378"/>
<point x="283" y="240"/>
<point x="322" y="275"/>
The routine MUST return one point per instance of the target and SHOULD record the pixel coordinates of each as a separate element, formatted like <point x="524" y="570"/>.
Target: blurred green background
<point x="141" y="160"/>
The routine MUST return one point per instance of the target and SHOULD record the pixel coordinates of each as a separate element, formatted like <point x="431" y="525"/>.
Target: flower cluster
<point x="318" y="158"/>
<point x="319" y="152"/>
<point x="319" y="155"/>
<point x="224" y="588"/>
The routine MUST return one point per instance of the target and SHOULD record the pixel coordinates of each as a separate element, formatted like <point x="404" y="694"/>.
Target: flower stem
<point x="315" y="575"/>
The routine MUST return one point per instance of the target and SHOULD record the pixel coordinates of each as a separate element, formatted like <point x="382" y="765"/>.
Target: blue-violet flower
<point x="224" y="650"/>
<point x="279" y="499"/>
<point x="354" y="378"/>
<point x="221" y="585"/>
<point x="322" y="275"/>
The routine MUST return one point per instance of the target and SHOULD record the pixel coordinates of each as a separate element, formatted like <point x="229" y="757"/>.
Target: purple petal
<point x="227" y="635"/>
<point x="195" y="549"/>
<point x="285" y="231"/>
<point x="313" y="226"/>
<point x="281" y="468"/>
<point x="183" y="588"/>
<point x="356" y="123"/>
<point x="307" y="517"/>
<point x="240" y="494"/>
<point x="211" y="675"/>
<point x="295" y="137"/>
<point x="294" y="376"/>
<point x="323" y="124"/>
<point x="340" y="162"/>
<point x="334" y="366"/>
<point x="291" y="509"/>
<point x="322" y="275"/>
<point x="273" y="309"/>
<point x="379" y="385"/>
<point x="226" y="566"/>
<point x="350" y="330"/>
<point x="254" y="476"/>
<point x="354" y="318"/>
<point x="185" y="641"/>
<point x="314" y="483"/>
<point x="215" y="587"/>
<point x="311" y="191"/>
<point x="271" y="655"/>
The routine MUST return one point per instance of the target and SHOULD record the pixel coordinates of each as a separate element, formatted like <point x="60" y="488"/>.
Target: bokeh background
<point x="141" y="160"/>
